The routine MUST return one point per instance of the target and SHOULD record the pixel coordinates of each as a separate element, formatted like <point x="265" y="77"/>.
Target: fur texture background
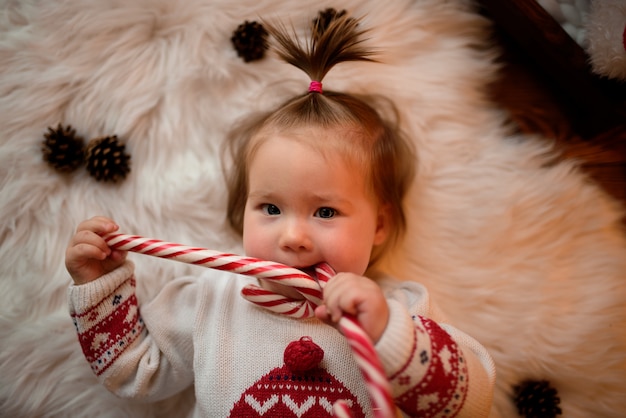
<point x="523" y="253"/>
<point x="606" y="44"/>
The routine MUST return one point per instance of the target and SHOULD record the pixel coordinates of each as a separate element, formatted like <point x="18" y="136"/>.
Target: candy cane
<point x="310" y="288"/>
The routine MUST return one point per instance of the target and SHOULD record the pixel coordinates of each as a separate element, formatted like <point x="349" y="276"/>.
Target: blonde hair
<point x="376" y="143"/>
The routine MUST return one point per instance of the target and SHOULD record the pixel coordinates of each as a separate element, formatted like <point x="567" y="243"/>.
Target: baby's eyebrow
<point x="330" y="198"/>
<point x="261" y="194"/>
<point x="319" y="198"/>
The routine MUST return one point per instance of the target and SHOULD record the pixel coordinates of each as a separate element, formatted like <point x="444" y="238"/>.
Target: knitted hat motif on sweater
<point x="300" y="388"/>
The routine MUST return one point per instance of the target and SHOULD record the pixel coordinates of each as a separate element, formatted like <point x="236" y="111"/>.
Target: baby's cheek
<point x="251" y="249"/>
<point x="258" y="246"/>
<point x="349" y="258"/>
<point x="250" y="245"/>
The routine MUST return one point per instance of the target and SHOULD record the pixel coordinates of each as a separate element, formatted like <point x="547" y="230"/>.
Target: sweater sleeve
<point x="126" y="358"/>
<point x="435" y="370"/>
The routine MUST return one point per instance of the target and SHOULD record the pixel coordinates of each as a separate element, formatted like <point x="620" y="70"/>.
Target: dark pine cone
<point x="324" y="19"/>
<point x="107" y="160"/>
<point x="62" y="149"/>
<point x="536" y="399"/>
<point x="250" y="41"/>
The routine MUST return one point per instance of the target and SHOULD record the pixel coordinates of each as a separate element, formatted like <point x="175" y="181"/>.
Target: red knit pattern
<point x="105" y="330"/>
<point x="287" y="393"/>
<point x="283" y="394"/>
<point x="441" y="390"/>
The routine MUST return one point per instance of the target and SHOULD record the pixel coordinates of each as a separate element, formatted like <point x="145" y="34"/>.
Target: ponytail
<point x="341" y="41"/>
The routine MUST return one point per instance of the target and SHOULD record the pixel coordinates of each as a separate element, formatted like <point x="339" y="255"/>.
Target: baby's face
<point x="305" y="208"/>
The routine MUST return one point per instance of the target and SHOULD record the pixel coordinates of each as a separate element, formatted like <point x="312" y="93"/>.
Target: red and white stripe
<point x="310" y="288"/>
<point x="369" y="364"/>
<point x="261" y="269"/>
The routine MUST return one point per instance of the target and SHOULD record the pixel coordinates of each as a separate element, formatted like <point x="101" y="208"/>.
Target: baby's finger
<point x="99" y="224"/>
<point x="338" y="303"/>
<point x="86" y="251"/>
<point x="346" y="304"/>
<point x="118" y="256"/>
<point x="323" y="315"/>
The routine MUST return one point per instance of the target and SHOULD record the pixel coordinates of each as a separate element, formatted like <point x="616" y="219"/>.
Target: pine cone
<point x="324" y="19"/>
<point x="536" y="399"/>
<point x="62" y="149"/>
<point x="250" y="41"/>
<point x="106" y="159"/>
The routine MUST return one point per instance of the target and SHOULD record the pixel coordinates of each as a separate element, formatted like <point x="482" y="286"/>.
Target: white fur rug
<point x="525" y="255"/>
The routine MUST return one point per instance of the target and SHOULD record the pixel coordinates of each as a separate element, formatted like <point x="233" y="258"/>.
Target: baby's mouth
<point x="319" y="272"/>
<point x="310" y="270"/>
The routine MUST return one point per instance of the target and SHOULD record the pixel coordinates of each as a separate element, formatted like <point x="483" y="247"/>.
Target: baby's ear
<point x="383" y="224"/>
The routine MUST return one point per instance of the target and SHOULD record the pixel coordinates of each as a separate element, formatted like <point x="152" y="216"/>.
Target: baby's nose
<point x="295" y="236"/>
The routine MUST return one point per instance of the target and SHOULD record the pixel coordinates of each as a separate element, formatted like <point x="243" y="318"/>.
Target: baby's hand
<point x="88" y="256"/>
<point x="348" y="293"/>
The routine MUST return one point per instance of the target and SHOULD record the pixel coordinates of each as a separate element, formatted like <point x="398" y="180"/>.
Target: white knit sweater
<point x="199" y="330"/>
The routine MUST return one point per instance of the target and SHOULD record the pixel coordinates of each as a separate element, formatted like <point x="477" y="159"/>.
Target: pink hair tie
<point x="315" y="87"/>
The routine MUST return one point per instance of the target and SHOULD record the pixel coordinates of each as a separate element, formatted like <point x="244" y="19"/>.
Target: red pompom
<point x="303" y="355"/>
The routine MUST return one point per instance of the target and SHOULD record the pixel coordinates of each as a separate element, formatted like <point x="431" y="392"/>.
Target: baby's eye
<point x="326" y="212"/>
<point x="270" y="209"/>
